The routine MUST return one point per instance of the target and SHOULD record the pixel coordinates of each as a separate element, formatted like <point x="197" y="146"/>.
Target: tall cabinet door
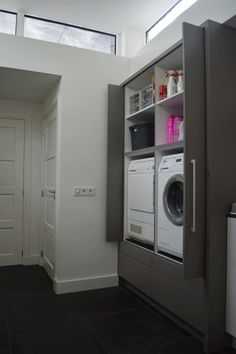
<point x="221" y="172"/>
<point x="115" y="163"/>
<point x="195" y="150"/>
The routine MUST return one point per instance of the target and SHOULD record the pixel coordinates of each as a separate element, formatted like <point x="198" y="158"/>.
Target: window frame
<point x="78" y="27"/>
<point x="160" y="19"/>
<point x="11" y="13"/>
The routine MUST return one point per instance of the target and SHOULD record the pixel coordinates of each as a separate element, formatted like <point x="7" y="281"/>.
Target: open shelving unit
<point x="157" y="112"/>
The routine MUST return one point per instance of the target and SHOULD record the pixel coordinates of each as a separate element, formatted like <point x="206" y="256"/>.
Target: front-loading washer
<point x="170" y="205"/>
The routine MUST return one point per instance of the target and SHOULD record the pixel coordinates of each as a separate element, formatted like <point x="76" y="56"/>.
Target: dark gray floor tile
<point x="227" y="351"/>
<point x="1" y="289"/>
<point x="36" y="285"/>
<point x="103" y="301"/>
<point x="181" y="346"/>
<point x="4" y="343"/>
<point x="20" y="271"/>
<point x="26" y="311"/>
<point x="133" y="330"/>
<point x="67" y="338"/>
<point x="3" y="316"/>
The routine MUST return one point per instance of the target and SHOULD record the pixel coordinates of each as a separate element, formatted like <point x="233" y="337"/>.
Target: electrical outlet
<point x="84" y="191"/>
<point x="91" y="190"/>
<point x="76" y="191"/>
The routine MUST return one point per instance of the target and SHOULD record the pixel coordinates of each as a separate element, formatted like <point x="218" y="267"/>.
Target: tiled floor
<point x="33" y="320"/>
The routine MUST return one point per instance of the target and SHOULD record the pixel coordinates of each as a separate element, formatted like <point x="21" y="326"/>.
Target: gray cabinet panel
<point x="176" y="271"/>
<point x="183" y="301"/>
<point x="135" y="272"/>
<point x="221" y="170"/>
<point x="115" y="163"/>
<point x="136" y="252"/>
<point x="194" y="149"/>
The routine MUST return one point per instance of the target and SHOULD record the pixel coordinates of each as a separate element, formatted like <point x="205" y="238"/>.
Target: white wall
<point x="216" y="10"/>
<point x="83" y="252"/>
<point x="33" y="111"/>
<point x="130" y="41"/>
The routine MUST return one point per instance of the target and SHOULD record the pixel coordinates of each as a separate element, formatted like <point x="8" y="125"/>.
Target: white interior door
<point x="49" y="234"/>
<point x="11" y="190"/>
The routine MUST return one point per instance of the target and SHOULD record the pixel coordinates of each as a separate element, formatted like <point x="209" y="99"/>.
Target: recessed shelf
<point x="178" y="145"/>
<point x="170" y="257"/>
<point x="141" y="152"/>
<point x="175" y="100"/>
<point x="144" y="245"/>
<point x="147" y="111"/>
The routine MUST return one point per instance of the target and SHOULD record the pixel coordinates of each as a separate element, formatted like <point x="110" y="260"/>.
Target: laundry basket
<point x="142" y="135"/>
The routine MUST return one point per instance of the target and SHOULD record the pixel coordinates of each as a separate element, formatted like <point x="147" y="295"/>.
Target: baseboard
<point x="31" y="260"/>
<point x="70" y="286"/>
<point x="48" y="267"/>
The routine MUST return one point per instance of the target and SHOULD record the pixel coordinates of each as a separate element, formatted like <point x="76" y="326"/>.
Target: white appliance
<point x="141" y="199"/>
<point x="170" y="205"/>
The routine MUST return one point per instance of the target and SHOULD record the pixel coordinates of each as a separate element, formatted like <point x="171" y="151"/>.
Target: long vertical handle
<point x="193" y="162"/>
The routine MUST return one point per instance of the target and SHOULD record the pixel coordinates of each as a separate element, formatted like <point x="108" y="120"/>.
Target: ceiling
<point x="26" y="85"/>
<point x="112" y="16"/>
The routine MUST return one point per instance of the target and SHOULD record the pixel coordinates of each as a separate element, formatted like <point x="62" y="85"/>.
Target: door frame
<point x="47" y="111"/>
<point x="53" y="101"/>
<point x="27" y="258"/>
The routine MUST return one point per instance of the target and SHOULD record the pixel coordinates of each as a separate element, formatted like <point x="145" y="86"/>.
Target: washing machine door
<point x="173" y="199"/>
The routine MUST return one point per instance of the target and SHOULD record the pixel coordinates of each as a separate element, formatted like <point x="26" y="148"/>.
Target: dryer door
<point x="173" y="199"/>
<point x="141" y="192"/>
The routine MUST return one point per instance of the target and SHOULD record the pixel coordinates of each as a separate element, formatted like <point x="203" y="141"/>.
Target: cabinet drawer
<point x="136" y="273"/>
<point x="136" y="252"/>
<point x="176" y="271"/>
<point x="185" y="302"/>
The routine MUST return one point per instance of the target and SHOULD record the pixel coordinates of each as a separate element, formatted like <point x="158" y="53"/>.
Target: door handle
<point x="51" y="193"/>
<point x="193" y="163"/>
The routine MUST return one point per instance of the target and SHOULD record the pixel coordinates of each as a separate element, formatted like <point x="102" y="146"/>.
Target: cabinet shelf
<point x="145" y="112"/>
<point x="141" y="152"/>
<point x="175" y="100"/>
<point x="178" y="145"/>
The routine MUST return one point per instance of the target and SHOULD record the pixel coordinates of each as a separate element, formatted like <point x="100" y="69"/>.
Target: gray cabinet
<point x="135" y="267"/>
<point x="184" y="301"/>
<point x="194" y="290"/>
<point x="163" y="281"/>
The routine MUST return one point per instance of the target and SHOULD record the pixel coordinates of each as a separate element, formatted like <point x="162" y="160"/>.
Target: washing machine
<point x="170" y="205"/>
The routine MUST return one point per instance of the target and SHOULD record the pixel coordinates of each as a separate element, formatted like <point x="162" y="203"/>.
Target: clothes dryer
<point x="141" y="200"/>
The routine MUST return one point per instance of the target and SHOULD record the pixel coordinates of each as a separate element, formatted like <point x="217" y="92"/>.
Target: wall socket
<point x="84" y="191"/>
